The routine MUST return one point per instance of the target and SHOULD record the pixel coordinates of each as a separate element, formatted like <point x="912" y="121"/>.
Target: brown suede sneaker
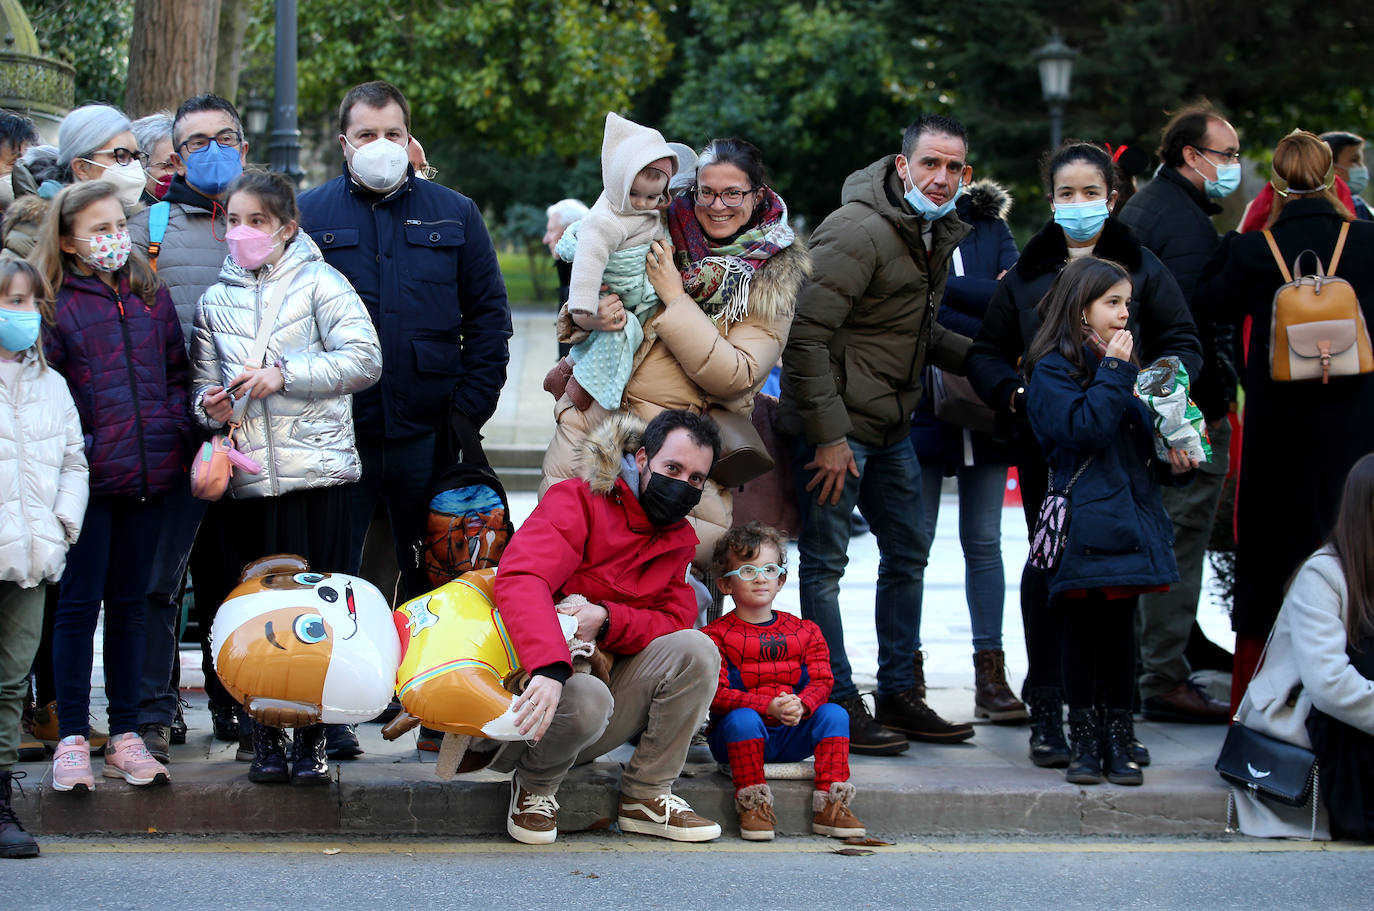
<point x="667" y="816"/>
<point x="533" y="818"/>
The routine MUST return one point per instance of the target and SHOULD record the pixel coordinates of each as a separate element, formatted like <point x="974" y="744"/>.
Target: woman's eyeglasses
<point x="732" y="198"/>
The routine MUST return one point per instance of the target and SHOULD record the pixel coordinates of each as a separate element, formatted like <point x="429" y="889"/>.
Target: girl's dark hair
<point x="1063" y="308"/>
<point x="1075" y="150"/>
<point x="274" y="191"/>
<point x="1352" y="539"/>
<point x="53" y="263"/>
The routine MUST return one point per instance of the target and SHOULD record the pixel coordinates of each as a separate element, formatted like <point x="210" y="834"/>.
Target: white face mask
<point x="380" y="165"/>
<point x="128" y="179"/>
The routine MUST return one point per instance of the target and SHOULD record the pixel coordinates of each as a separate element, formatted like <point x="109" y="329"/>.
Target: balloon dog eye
<point x="308" y="578"/>
<point x="327" y="594"/>
<point x="309" y="628"/>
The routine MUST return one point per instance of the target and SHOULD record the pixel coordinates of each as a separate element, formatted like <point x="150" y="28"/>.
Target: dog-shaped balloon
<point x="298" y="646"/>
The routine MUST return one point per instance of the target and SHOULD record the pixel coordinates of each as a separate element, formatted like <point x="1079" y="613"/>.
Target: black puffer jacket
<point x="1173" y="219"/>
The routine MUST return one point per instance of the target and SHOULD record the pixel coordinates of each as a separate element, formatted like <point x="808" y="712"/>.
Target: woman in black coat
<point x="1081" y="180"/>
<point x="1300" y="438"/>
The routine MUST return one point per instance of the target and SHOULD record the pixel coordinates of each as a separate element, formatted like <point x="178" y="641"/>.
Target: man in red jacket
<point x="617" y="537"/>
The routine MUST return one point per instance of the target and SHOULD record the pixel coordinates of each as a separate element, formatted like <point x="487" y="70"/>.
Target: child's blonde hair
<point x="743" y="542"/>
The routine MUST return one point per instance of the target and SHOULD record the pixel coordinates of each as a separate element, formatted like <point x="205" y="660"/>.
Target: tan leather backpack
<point x="1317" y="330"/>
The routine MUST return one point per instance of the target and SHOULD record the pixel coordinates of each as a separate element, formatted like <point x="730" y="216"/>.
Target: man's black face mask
<point x="667" y="500"/>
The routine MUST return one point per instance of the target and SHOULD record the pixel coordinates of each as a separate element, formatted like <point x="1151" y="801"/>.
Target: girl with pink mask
<point x="292" y="410"/>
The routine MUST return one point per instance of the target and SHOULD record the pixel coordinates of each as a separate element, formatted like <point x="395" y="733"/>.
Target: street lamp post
<point x="1055" y="61"/>
<point x="256" y="114"/>
<point x="286" y="136"/>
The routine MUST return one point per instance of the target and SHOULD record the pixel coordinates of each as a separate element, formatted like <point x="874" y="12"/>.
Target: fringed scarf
<point x="716" y="275"/>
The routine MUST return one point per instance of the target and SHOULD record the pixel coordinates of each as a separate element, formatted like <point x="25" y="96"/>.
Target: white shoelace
<point x="673" y="804"/>
<point x="538" y="803"/>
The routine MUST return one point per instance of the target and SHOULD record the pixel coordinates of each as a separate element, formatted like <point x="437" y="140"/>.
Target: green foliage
<point x="92" y="36"/>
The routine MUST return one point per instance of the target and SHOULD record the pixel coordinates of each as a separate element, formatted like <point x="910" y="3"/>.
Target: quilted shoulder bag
<point x="1052" y="523"/>
<point x="216" y="459"/>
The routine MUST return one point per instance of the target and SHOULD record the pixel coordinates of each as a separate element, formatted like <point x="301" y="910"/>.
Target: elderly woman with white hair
<point x="96" y="142"/>
<point x="154" y="135"/>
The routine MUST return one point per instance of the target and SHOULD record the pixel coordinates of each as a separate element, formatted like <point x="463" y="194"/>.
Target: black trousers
<point x="1098" y="650"/>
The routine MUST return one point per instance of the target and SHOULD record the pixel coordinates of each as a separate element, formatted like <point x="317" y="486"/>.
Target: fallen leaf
<point x="152" y="830"/>
<point x="592" y="876"/>
<point x="332" y="850"/>
<point x="853" y="852"/>
<point x="865" y="841"/>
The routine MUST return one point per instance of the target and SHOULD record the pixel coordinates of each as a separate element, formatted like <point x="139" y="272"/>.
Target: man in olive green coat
<point x="863" y="330"/>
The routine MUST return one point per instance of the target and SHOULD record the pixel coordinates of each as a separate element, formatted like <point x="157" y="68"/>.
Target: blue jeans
<point x="181" y="515"/>
<point x="888" y="491"/>
<point x="781" y="743"/>
<point x="110" y="561"/>
<point x="398" y="471"/>
<point x="981" y="491"/>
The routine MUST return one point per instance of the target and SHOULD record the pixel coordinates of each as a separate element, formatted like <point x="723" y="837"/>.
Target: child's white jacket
<point x="43" y="474"/>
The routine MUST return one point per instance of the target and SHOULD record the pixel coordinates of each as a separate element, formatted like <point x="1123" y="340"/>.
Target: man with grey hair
<point x="560" y="215"/>
<point x="183" y="237"/>
<point x="154" y="135"/>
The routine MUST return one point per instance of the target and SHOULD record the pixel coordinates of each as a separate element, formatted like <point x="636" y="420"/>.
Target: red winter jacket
<point x="589" y="536"/>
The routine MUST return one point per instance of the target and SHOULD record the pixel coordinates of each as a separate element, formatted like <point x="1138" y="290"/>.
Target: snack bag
<point x="1178" y="423"/>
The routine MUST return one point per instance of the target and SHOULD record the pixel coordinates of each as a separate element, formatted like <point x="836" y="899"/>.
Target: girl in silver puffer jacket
<point x="296" y="416"/>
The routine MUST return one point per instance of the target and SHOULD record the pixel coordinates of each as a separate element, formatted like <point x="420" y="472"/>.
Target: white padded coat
<point x="43" y="474"/>
<point x="327" y="347"/>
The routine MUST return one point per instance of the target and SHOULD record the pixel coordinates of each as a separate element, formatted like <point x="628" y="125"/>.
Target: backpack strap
<point x="1278" y="257"/>
<point x="159" y="214"/>
<point x="1340" y="246"/>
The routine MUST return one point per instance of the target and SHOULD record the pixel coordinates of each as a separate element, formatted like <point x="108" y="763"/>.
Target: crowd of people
<point x="155" y="294"/>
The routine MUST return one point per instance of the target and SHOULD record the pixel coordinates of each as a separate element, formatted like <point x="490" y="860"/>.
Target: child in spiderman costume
<point x="772" y="702"/>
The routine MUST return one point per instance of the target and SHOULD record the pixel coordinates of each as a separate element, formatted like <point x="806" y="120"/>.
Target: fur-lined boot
<point x="755" y="806"/>
<point x="833" y="816"/>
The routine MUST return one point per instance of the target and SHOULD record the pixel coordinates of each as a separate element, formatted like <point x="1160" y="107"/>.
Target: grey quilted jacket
<point x="327" y="349"/>
<point x="43" y="474"/>
<point x="192" y="252"/>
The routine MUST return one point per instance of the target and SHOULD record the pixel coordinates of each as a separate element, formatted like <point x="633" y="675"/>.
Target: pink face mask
<point x="250" y="247"/>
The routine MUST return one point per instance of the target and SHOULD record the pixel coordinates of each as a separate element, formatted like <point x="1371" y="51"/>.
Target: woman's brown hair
<point x="53" y="263"/>
<point x="1352" y="539"/>
<point x="1064" y="307"/>
<point x="1302" y="170"/>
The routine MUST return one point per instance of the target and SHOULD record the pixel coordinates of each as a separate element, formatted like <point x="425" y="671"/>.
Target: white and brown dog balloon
<point x="298" y="646"/>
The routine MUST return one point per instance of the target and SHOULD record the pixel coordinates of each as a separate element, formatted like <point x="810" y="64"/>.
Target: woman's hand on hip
<point x="663" y="275"/>
<point x="610" y="315"/>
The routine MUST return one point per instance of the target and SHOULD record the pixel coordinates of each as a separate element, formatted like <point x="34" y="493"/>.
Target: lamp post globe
<point x="1055" y="62"/>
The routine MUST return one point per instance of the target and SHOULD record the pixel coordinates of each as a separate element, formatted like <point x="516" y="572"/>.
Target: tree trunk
<point x="171" y="54"/>
<point x="233" y="22"/>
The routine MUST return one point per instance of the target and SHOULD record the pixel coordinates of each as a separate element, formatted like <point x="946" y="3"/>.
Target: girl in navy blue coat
<point x="1083" y="409"/>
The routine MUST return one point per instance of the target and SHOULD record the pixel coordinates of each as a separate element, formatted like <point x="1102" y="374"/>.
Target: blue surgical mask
<point x="213" y="168"/>
<point x="1357" y="179"/>
<point x="19" y="329"/>
<point x="1228" y="180"/>
<point x="924" y="207"/>
<point x="1081" y="220"/>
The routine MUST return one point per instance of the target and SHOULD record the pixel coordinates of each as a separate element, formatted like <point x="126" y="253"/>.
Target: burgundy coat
<point x="125" y="362"/>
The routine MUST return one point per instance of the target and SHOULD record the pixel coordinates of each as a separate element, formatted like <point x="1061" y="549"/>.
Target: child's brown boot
<point x="755" y="806"/>
<point x="832" y="812"/>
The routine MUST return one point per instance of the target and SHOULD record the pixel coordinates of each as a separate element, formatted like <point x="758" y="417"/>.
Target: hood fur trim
<point x="620" y="434"/>
<point x="773" y="289"/>
<point x="987" y="200"/>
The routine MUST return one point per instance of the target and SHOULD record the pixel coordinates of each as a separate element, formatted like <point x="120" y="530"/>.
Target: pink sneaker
<point x="71" y="765"/>
<point x="126" y="757"/>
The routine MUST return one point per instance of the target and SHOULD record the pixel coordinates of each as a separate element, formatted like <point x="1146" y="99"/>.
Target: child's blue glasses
<point x="748" y="572"/>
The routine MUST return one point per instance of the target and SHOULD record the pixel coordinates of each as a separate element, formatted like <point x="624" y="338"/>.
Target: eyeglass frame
<point x="758" y="570"/>
<point x="140" y="157"/>
<point x="695" y="189"/>
<point x="1231" y="157"/>
<point x="237" y="143"/>
<point x="428" y="172"/>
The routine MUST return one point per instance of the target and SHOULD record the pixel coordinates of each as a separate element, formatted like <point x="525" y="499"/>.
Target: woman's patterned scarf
<point x="717" y="275"/>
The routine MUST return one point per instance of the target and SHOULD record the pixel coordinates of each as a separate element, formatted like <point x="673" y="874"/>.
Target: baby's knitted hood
<point x="626" y="150"/>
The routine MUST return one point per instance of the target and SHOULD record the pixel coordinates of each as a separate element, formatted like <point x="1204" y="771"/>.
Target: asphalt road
<point x="604" y="871"/>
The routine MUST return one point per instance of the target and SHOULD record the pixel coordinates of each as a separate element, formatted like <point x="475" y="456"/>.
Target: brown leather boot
<point x="756" y="818"/>
<point x="993" y="699"/>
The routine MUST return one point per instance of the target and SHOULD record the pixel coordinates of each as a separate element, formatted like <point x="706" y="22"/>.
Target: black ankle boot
<point x="269" y="754"/>
<point x="308" y="765"/>
<point x="14" y="841"/>
<point x="1085" y="763"/>
<point x="1117" y="740"/>
<point x="1048" y="748"/>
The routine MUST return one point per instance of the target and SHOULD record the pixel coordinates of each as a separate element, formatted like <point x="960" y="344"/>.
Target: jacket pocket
<point x="434" y="355"/>
<point x="432" y="250"/>
<point x="1105" y="525"/>
<point x="333" y="238"/>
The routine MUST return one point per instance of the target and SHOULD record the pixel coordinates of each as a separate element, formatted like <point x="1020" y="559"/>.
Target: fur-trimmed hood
<point x="604" y="450"/>
<point x="773" y="289"/>
<point x="1047" y="250"/>
<point x="985" y="199"/>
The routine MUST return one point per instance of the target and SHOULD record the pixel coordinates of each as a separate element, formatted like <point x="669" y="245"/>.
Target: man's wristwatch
<point x="1019" y="393"/>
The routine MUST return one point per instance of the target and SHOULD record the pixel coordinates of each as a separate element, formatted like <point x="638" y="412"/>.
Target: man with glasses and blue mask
<point x="1172" y="216"/>
<point x="183" y="237"/>
<point x="864" y="329"/>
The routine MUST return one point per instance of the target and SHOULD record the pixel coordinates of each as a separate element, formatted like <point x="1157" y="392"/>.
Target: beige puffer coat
<point x="43" y="474"/>
<point x="324" y="338"/>
<point x="688" y="361"/>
